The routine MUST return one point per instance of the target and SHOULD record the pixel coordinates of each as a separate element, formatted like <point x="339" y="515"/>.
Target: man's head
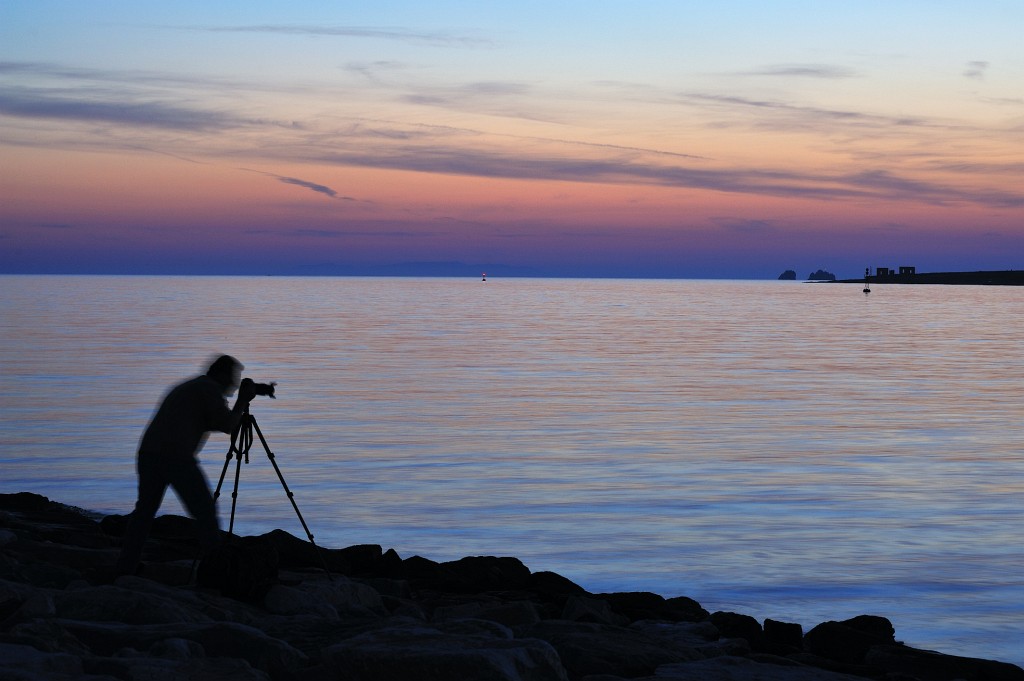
<point x="227" y="371"/>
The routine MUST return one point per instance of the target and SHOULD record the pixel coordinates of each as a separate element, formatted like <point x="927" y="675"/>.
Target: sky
<point x="725" y="139"/>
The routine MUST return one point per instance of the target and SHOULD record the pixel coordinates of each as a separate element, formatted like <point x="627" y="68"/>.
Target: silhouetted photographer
<point x="167" y="452"/>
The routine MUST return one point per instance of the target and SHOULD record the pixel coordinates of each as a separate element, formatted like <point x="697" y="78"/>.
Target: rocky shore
<point x="276" y="607"/>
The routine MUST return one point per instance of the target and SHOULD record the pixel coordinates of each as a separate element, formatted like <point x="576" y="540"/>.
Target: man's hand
<point x="246" y="391"/>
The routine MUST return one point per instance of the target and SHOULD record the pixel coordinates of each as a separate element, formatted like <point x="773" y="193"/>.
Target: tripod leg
<point x="223" y="471"/>
<point x="234" y="495"/>
<point x="241" y="440"/>
<point x="291" y="496"/>
<point x="232" y="451"/>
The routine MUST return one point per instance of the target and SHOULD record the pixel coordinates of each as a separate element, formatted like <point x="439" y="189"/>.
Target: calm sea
<point x="796" y="451"/>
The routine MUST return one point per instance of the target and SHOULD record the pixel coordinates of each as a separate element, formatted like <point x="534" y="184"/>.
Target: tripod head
<point x="241" y="437"/>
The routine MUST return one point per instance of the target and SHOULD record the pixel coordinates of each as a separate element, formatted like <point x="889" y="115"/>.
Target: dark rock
<point x="44" y="510"/>
<point x="177" y="649"/>
<point x="23" y="662"/>
<point x="347" y="597"/>
<point x="743" y="669"/>
<point x="475" y="574"/>
<point x="580" y="608"/>
<point x="115" y="604"/>
<point x="47" y="635"/>
<point x="156" y="667"/>
<point x="682" y="636"/>
<point x="783" y="637"/>
<point x="421" y="568"/>
<point x="175" y="527"/>
<point x="218" y="639"/>
<point x="726" y="647"/>
<point x="286" y="600"/>
<point x="788" y="275"/>
<point x="427" y="653"/>
<point x="587" y="648"/>
<point x="821" y="275"/>
<point x="390" y="563"/>
<point x="300" y="553"/>
<point x="365" y="558"/>
<point x="49" y="564"/>
<point x="925" y="664"/>
<point x="643" y="605"/>
<point x="683" y="609"/>
<point x="243" y="568"/>
<point x="115" y="525"/>
<point x="386" y="586"/>
<point x="511" y="614"/>
<point x="50" y="522"/>
<point x="635" y="605"/>
<point x="553" y="584"/>
<point x="735" y="625"/>
<point x="850" y="640"/>
<point x="874" y="626"/>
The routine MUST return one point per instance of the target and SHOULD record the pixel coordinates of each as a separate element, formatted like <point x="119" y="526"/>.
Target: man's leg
<point x="152" y="486"/>
<point x="190" y="484"/>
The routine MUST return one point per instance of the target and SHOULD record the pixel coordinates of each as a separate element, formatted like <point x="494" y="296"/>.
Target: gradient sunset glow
<point x="679" y="139"/>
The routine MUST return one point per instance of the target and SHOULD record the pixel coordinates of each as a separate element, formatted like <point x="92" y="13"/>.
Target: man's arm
<point x="228" y="419"/>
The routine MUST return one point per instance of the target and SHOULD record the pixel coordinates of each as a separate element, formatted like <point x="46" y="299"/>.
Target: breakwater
<point x="979" y="278"/>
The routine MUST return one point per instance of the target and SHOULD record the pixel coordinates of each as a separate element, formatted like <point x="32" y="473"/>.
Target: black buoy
<point x="867" y="273"/>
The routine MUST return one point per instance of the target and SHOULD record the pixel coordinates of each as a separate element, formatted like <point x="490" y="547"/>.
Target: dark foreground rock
<point x="275" y="607"/>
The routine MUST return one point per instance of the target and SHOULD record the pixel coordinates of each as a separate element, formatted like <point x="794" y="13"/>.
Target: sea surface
<point x="801" y="452"/>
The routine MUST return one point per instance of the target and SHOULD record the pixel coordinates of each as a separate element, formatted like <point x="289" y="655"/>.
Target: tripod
<point x="241" y="442"/>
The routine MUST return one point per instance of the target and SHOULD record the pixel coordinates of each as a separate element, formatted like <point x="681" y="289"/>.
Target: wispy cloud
<point x="796" y="114"/>
<point x="36" y="74"/>
<point x="39" y="103"/>
<point x="977" y="168"/>
<point x="373" y="70"/>
<point x="493" y="98"/>
<point x="436" y="38"/>
<point x="430" y="134"/>
<point x="652" y="170"/>
<point x="318" y="188"/>
<point x="306" y="184"/>
<point x="488" y="91"/>
<point x="745" y="225"/>
<point x="346" y="230"/>
<point x="827" y="71"/>
<point x="39" y="90"/>
<point x="975" y="70"/>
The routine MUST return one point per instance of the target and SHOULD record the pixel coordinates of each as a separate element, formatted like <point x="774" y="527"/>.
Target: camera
<point x="263" y="389"/>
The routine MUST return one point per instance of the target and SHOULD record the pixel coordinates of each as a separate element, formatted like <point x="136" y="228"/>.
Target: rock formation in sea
<point x="821" y="275"/>
<point x="276" y="607"/>
<point x="788" y="275"/>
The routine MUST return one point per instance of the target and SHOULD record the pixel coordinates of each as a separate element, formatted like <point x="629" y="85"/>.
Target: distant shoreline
<point x="980" y="278"/>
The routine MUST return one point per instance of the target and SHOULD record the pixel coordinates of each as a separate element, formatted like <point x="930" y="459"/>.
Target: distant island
<point x="910" y="275"/>
<point x="819" y="275"/>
